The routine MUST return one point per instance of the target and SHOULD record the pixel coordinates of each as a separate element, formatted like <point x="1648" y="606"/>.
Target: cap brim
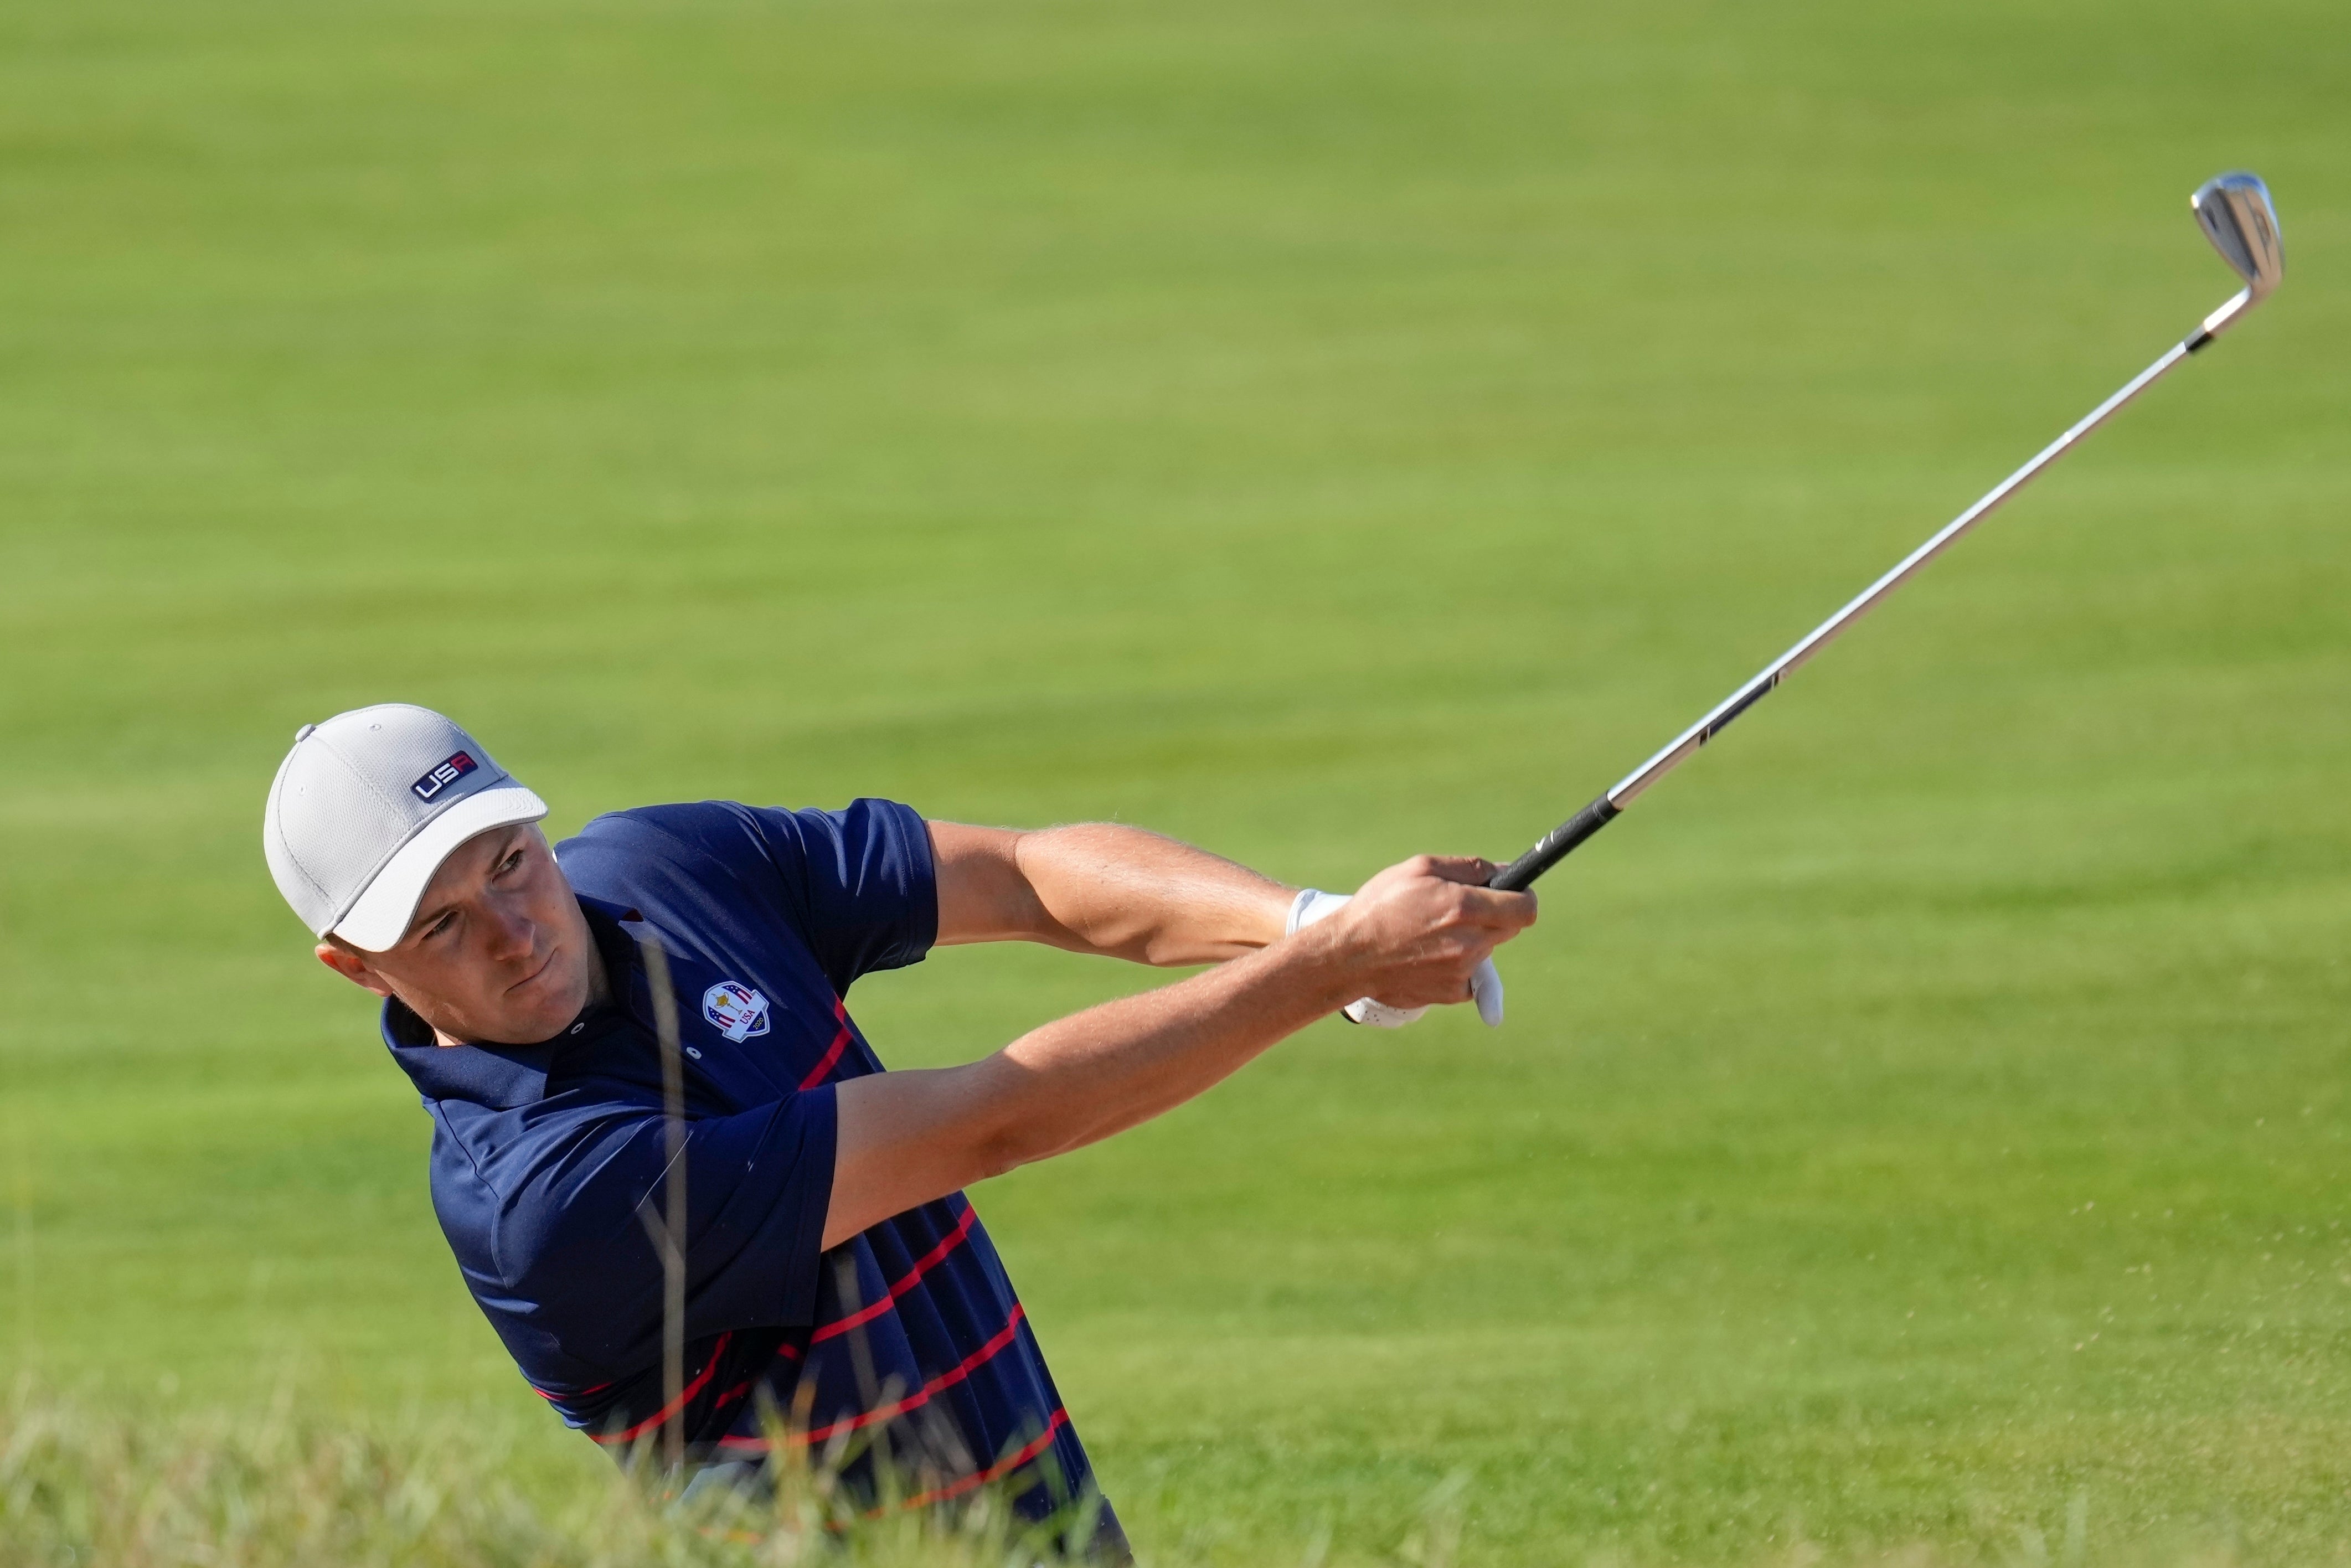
<point x="379" y="919"/>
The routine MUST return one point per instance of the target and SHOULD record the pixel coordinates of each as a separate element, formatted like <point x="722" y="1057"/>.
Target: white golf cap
<point x="365" y="809"/>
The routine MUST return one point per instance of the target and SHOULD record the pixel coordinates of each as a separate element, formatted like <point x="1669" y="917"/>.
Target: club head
<point x="2236" y="214"/>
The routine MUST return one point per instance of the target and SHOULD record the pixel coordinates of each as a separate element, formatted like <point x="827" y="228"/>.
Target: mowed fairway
<point x="1324" y="431"/>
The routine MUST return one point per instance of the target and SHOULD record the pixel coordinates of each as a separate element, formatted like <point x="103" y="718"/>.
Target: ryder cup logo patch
<point x="441" y="778"/>
<point x="735" y="1010"/>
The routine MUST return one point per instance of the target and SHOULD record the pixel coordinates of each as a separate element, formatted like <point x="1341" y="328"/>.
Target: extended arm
<point x="1098" y="887"/>
<point x="1412" y="936"/>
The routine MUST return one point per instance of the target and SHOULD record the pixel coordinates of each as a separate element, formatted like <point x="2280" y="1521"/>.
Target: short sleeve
<point x="856" y="885"/>
<point x="578" y="1266"/>
<point x="865" y="883"/>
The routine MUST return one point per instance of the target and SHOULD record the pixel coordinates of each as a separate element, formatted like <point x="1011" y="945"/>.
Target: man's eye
<point x="439" y="926"/>
<point x="511" y="862"/>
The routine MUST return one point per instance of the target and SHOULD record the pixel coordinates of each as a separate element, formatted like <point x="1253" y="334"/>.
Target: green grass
<point x="285" y="1490"/>
<point x="1324" y="431"/>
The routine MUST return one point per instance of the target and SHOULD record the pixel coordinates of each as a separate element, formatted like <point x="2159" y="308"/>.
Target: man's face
<point x="499" y="950"/>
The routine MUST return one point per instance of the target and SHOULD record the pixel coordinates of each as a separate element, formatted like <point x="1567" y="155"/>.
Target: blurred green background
<point x="1324" y="431"/>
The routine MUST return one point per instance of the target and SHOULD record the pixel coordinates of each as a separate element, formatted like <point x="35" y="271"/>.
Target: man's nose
<point x="510" y="933"/>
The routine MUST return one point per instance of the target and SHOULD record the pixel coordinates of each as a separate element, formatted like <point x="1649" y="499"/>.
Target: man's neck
<point x="599" y="979"/>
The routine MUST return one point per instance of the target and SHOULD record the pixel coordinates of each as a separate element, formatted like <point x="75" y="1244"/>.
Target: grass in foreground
<point x="281" y="1491"/>
<point x="80" y="1489"/>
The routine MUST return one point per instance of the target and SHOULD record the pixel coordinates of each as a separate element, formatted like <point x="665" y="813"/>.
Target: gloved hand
<point x="1485" y="982"/>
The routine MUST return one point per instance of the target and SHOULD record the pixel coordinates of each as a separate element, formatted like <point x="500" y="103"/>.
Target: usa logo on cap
<point x="442" y="776"/>
<point x="735" y="1010"/>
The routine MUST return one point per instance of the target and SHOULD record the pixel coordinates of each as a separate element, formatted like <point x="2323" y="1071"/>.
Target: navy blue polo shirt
<point x="548" y="1160"/>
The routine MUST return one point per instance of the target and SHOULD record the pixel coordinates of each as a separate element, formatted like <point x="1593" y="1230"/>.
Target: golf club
<point x="2236" y="214"/>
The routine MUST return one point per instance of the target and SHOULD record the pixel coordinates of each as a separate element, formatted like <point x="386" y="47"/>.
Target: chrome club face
<point x="2236" y="214"/>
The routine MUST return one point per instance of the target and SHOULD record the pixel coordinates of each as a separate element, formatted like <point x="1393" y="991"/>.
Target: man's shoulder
<point x="706" y="839"/>
<point x="852" y="889"/>
<point x="689" y="824"/>
<point x="727" y="828"/>
<point x="698" y="841"/>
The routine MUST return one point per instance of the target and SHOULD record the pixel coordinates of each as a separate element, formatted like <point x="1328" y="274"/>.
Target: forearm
<point x="1099" y="887"/>
<point x="905" y="1137"/>
<point x="1081" y="1079"/>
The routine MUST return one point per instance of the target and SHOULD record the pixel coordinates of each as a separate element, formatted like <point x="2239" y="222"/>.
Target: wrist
<point x="1323" y="949"/>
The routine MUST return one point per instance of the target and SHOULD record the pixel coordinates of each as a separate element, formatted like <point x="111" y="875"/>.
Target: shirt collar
<point x="503" y="1077"/>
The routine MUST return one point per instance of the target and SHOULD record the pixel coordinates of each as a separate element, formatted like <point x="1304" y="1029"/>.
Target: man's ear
<point x="352" y="968"/>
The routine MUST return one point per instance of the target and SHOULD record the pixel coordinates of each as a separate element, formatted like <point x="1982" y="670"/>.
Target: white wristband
<point x="1313" y="904"/>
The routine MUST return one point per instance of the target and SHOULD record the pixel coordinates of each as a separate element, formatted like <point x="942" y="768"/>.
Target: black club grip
<point x="1554" y="846"/>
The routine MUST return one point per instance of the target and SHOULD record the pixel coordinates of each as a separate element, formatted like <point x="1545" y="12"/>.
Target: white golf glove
<point x="1485" y="983"/>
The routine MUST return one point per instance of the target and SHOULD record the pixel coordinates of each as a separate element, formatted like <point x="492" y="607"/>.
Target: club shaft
<point x="1557" y="844"/>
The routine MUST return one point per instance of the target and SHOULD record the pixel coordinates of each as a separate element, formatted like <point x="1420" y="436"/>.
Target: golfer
<point x="835" y="1271"/>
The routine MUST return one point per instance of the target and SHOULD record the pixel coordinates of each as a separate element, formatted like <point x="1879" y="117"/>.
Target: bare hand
<point x="1415" y="932"/>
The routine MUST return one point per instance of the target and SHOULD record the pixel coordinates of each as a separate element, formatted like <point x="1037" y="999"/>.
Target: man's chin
<point x="559" y="984"/>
